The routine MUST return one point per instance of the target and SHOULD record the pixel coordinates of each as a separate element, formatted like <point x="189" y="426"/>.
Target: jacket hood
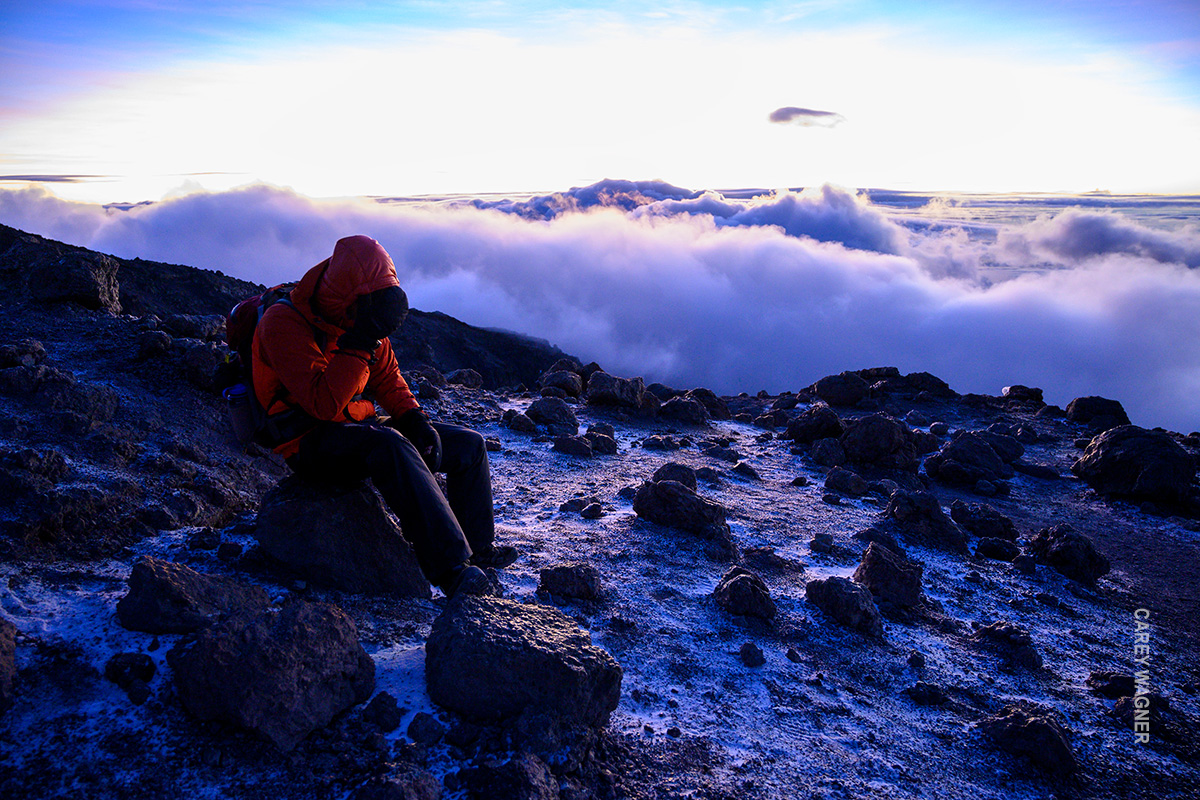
<point x="359" y="265"/>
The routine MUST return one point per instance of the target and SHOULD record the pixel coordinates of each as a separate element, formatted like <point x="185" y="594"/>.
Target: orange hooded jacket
<point x="293" y="368"/>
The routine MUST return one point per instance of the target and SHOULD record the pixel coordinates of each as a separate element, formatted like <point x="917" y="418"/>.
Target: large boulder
<point x="608" y="390"/>
<point x="743" y="593"/>
<point x="686" y="410"/>
<point x="165" y="597"/>
<point x="575" y="581"/>
<point x="670" y="503"/>
<point x="89" y="279"/>
<point x="1098" y="413"/>
<point x="674" y="471"/>
<point x="339" y="536"/>
<point x="983" y="520"/>
<point x="891" y="578"/>
<point x="1070" y="553"/>
<point x="1133" y="462"/>
<point x="1010" y="641"/>
<point x="714" y="405"/>
<point x="280" y="674"/>
<point x="920" y="517"/>
<point x="881" y="441"/>
<point x="818" y="421"/>
<point x="847" y="603"/>
<point x="491" y="659"/>
<point x="555" y="415"/>
<point x="1035" y="734"/>
<point x="846" y="389"/>
<point x="967" y="459"/>
<point x="569" y="382"/>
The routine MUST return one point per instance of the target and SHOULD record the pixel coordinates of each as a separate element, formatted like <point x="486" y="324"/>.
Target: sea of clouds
<point x="733" y="291"/>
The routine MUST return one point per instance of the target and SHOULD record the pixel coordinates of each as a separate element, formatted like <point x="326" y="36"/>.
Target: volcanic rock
<point x="89" y="279"/>
<point x="1069" y="552"/>
<point x="1133" y="462"/>
<point x="1012" y="642"/>
<point x="674" y="471"/>
<point x="280" y="674"/>
<point x="752" y="655"/>
<point x="670" y="503"/>
<point x="891" y="578"/>
<point x="818" y="421"/>
<point x="467" y="378"/>
<point x="1098" y="413"/>
<point x="411" y="784"/>
<point x="607" y="390"/>
<point x="524" y="777"/>
<point x="1007" y="447"/>
<point x="982" y="520"/>
<point x="843" y="481"/>
<point x="383" y="712"/>
<point x="828" y="453"/>
<point x="1112" y="685"/>
<point x="568" y="382"/>
<point x="714" y="405"/>
<point x="555" y="414"/>
<point x="493" y="659"/>
<point x="921" y="519"/>
<point x="686" y="410"/>
<point x="846" y="389"/>
<point x="743" y="593"/>
<point x="1022" y="394"/>
<point x="165" y="597"/>
<point x="602" y="444"/>
<point x="847" y="603"/>
<point x="967" y="459"/>
<point x="1034" y="734"/>
<point x="996" y="549"/>
<point x="339" y="536"/>
<point x="577" y="581"/>
<point x="573" y="446"/>
<point x="926" y="694"/>
<point x="880" y="440"/>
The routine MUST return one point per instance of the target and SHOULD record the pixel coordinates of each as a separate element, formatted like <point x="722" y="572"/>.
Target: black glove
<point x="376" y="316"/>
<point x="415" y="427"/>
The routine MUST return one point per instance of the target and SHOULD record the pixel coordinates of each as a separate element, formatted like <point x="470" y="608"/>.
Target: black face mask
<point x="381" y="312"/>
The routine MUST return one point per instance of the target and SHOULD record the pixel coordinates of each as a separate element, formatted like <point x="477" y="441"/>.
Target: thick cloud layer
<point x="701" y="289"/>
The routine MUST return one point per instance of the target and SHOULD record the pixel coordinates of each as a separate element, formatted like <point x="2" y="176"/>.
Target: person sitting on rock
<point x="321" y="361"/>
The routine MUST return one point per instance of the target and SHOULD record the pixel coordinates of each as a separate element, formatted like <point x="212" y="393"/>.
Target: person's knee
<point x="390" y="449"/>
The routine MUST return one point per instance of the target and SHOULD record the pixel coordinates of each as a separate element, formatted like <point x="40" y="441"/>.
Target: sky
<point x="141" y="100"/>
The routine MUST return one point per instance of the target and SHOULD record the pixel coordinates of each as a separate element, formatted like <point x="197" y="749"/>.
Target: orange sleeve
<point x="389" y="386"/>
<point x="322" y="385"/>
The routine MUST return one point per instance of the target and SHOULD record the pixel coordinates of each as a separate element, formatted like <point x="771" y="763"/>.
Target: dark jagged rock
<point x="608" y="390"/>
<point x="920" y="517"/>
<point x="674" y="471"/>
<point x="410" y="784"/>
<point x="1098" y="413"/>
<point x="165" y="597"/>
<point x="662" y="391"/>
<point x="967" y="459"/>
<point x="494" y="659"/>
<point x="1129" y="461"/>
<point x="996" y="549"/>
<point x="573" y="446"/>
<point x="1007" y="447"/>
<point x="845" y="389"/>
<point x="982" y="520"/>
<point x="881" y="441"/>
<point x="1011" y="641"/>
<point x="1112" y="685"/>
<point x="924" y="382"/>
<point x="752" y="655"/>
<point x="818" y="421"/>
<point x="1035" y="734"/>
<point x="465" y="377"/>
<point x="602" y="444"/>
<point x="686" y="410"/>
<point x="713" y="405"/>
<point x="339" y="536"/>
<point x="847" y="603"/>
<point x="280" y="674"/>
<point x="843" y="481"/>
<point x="1023" y="394"/>
<point x="577" y="581"/>
<point x="743" y="593"/>
<point x="555" y="414"/>
<point x="1070" y="553"/>
<point x="89" y="279"/>
<point x="670" y="503"/>
<point x="568" y="382"/>
<point x="383" y="712"/>
<point x="926" y="694"/>
<point x="524" y="777"/>
<point x="891" y="578"/>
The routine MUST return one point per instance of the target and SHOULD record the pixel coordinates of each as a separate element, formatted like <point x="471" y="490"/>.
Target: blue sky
<point x="1014" y="96"/>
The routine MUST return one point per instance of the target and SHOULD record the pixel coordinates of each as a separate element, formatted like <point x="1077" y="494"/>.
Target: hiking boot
<point x="467" y="579"/>
<point x="495" y="557"/>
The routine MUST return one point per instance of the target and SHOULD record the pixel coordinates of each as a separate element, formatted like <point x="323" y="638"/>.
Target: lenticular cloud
<point x="733" y="293"/>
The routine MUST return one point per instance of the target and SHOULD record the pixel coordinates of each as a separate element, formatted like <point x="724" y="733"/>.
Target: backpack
<point x="249" y="419"/>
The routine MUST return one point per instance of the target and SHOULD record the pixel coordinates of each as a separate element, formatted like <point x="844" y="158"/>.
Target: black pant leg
<point x="468" y="483"/>
<point x="342" y="451"/>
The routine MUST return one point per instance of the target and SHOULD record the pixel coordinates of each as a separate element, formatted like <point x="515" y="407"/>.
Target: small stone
<point x="939" y="428"/>
<point x="593" y="511"/>
<point x="916" y="660"/>
<point x="493" y="444"/>
<point x="425" y="729"/>
<point x="745" y="470"/>
<point x="229" y="551"/>
<point x="926" y="694"/>
<point x="821" y="543"/>
<point x="793" y="655"/>
<point x="383" y="712"/>
<point x="674" y="732"/>
<point x="752" y="655"/>
<point x="1025" y="564"/>
<point x="800" y="480"/>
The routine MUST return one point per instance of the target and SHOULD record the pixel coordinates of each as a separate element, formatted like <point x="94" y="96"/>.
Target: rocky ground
<point x="870" y="587"/>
